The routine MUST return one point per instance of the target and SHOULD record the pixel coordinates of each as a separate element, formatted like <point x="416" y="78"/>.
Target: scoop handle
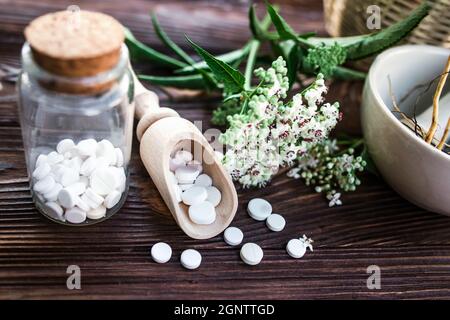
<point x="147" y="109"/>
<point x="145" y="100"/>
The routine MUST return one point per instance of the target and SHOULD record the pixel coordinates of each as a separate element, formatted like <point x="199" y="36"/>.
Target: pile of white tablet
<point x="80" y="181"/>
<point x="193" y="188"/>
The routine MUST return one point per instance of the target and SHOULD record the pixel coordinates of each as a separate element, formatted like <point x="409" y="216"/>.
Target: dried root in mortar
<point x="429" y="135"/>
<point x="437" y="95"/>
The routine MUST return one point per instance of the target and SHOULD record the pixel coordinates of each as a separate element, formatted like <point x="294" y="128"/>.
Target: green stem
<point x="244" y="105"/>
<point x="307" y="88"/>
<point x="254" y="47"/>
<point x="354" y="145"/>
<point x="138" y="50"/>
<point x="185" y="82"/>
<point x="168" y="42"/>
<point x="343" y="73"/>
<point x="266" y="21"/>
<point x="357" y="143"/>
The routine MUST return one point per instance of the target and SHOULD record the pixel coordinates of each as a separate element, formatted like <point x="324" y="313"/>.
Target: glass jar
<point x="49" y="114"/>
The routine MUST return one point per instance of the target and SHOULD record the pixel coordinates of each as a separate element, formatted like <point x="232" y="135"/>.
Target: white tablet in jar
<point x="75" y="215"/>
<point x="97" y="213"/>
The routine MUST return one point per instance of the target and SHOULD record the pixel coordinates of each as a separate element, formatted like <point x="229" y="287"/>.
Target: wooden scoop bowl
<point x="161" y="132"/>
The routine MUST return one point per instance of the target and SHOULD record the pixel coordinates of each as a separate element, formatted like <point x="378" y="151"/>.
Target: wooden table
<point x="375" y="226"/>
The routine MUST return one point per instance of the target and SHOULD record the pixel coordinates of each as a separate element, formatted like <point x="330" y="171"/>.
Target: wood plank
<point x="375" y="226"/>
<point x="218" y="26"/>
<point x="333" y="272"/>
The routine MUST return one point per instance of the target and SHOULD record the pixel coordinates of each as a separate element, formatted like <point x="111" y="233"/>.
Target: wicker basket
<point x="348" y="17"/>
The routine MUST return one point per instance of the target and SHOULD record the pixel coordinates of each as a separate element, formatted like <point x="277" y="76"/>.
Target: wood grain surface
<point x="375" y="226"/>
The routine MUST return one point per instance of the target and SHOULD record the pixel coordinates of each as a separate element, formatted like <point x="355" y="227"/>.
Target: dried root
<point x="434" y="121"/>
<point x="444" y="136"/>
<point x="427" y="135"/>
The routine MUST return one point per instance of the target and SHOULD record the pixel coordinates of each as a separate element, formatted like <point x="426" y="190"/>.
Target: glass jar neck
<point x="90" y="85"/>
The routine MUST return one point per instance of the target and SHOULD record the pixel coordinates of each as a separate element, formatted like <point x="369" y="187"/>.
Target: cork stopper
<point x="75" y="44"/>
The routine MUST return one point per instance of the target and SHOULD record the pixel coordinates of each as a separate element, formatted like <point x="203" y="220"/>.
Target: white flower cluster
<point x="271" y="134"/>
<point x="329" y="170"/>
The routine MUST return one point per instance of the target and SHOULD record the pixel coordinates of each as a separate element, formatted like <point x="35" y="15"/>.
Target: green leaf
<point x="370" y="165"/>
<point x="232" y="97"/>
<point x="168" y="42"/>
<point x="290" y="51"/>
<point x="259" y="28"/>
<point x="231" y="78"/>
<point x="381" y="40"/>
<point x="343" y="41"/>
<point x="184" y="82"/>
<point x="209" y="82"/>
<point x="230" y="57"/>
<point x="276" y="49"/>
<point x="139" y="51"/>
<point x="292" y="63"/>
<point x="284" y="30"/>
<point x="343" y="73"/>
<point x="255" y="24"/>
<point x="359" y="47"/>
<point x="306" y="35"/>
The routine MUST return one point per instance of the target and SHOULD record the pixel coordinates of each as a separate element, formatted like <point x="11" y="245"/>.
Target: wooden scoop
<point x="161" y="132"/>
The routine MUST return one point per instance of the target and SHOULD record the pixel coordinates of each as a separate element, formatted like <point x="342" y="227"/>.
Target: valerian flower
<point x="326" y="58"/>
<point x="328" y="170"/>
<point x="271" y="133"/>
